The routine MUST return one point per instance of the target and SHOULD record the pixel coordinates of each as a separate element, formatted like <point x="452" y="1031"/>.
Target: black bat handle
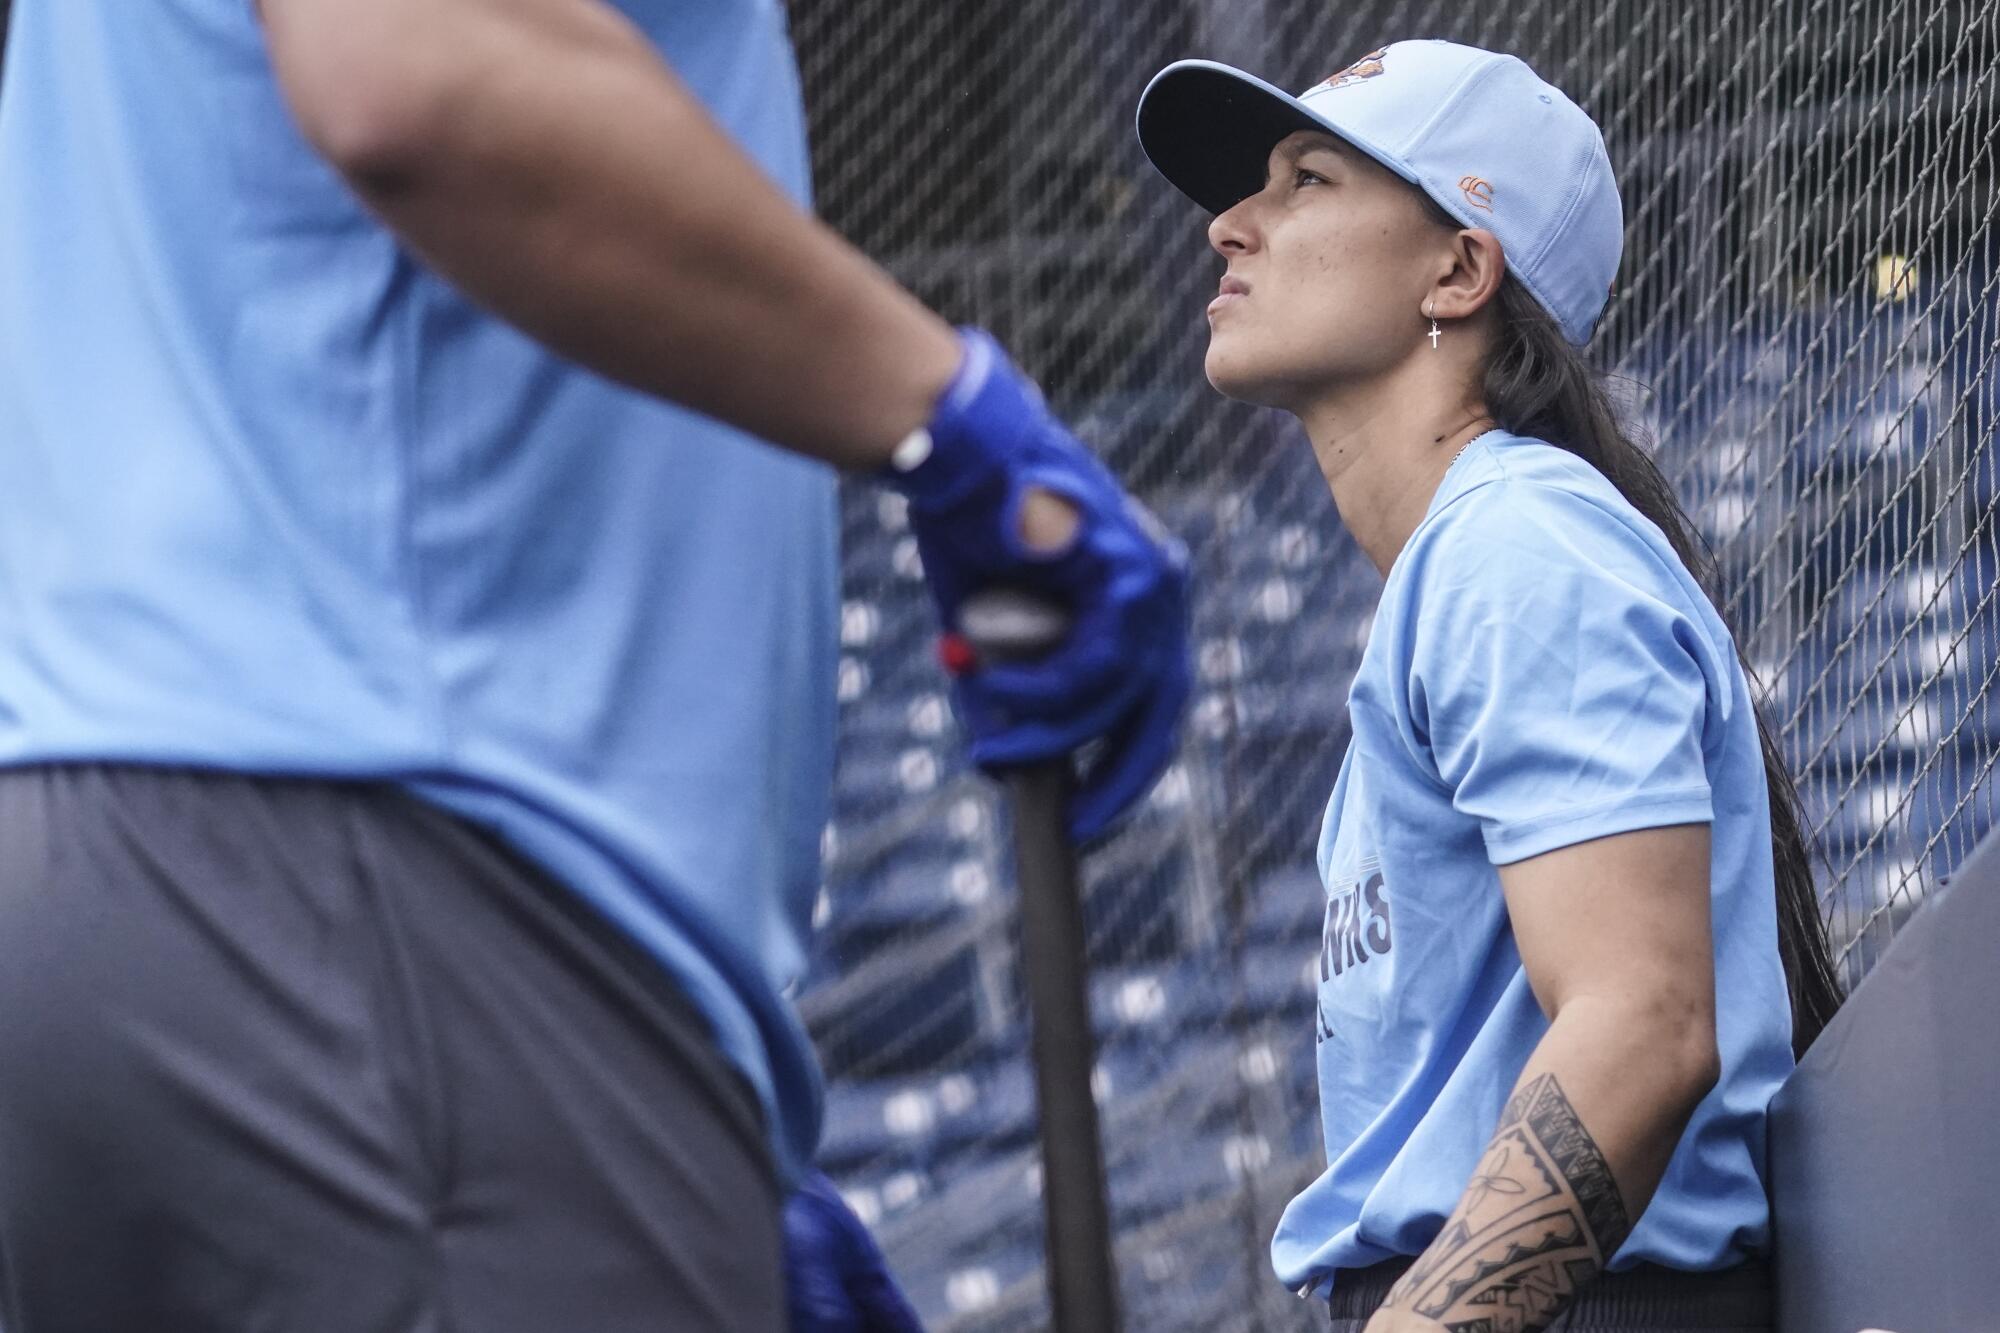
<point x="1083" y="1280"/>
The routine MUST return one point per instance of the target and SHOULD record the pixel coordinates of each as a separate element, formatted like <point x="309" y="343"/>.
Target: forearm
<point x="545" y="160"/>
<point x="1579" y="1151"/>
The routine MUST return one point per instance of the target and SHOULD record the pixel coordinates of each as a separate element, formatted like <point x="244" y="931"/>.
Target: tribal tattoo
<point x="1540" y="1218"/>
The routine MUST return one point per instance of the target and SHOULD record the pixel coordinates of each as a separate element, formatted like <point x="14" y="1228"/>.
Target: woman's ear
<point x="1473" y="280"/>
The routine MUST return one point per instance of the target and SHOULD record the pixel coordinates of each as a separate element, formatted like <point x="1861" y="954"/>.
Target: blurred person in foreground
<point x="1564" y="874"/>
<point x="418" y="433"/>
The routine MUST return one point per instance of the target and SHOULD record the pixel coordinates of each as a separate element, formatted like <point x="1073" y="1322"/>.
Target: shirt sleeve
<point x="1558" y="679"/>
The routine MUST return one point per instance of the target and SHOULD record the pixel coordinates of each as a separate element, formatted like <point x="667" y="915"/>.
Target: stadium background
<point x="1805" y="323"/>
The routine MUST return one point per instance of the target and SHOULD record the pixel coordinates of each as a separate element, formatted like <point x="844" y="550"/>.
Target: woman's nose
<point x="1230" y="233"/>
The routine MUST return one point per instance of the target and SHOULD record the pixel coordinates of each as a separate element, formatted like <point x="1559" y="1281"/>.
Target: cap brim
<point x="1210" y="129"/>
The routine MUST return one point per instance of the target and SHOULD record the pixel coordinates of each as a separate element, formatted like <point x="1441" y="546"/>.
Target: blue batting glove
<point x="1121" y="676"/>
<point x="836" y="1280"/>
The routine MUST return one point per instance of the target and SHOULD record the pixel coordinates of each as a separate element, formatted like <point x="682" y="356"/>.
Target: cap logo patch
<point x="1367" y="67"/>
<point x="1478" y="193"/>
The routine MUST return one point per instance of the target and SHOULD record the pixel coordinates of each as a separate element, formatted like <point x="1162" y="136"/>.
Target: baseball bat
<point x="1082" y="1279"/>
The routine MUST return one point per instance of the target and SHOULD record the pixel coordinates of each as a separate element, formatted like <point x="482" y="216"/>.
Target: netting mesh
<point x="1806" y="326"/>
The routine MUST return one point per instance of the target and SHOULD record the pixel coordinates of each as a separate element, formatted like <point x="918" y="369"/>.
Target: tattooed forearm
<point x="1541" y="1216"/>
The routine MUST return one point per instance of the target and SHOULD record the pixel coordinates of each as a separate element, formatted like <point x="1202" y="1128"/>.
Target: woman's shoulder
<point x="1532" y="529"/>
<point x="1516" y="501"/>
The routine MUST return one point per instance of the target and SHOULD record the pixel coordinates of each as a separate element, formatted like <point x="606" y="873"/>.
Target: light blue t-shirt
<point x="275" y="498"/>
<point x="1542" y="671"/>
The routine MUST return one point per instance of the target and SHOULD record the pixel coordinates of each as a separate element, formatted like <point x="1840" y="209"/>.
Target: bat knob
<point x="1005" y="625"/>
<point x="957" y="654"/>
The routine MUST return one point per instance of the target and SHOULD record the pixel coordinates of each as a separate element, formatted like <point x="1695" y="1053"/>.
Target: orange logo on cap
<point x="1365" y="68"/>
<point x="1478" y="193"/>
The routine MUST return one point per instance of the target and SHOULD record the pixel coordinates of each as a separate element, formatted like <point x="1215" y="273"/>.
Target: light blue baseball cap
<point x="1490" y="142"/>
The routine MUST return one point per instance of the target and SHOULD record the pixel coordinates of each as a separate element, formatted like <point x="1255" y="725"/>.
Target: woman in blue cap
<point x="1567" y="892"/>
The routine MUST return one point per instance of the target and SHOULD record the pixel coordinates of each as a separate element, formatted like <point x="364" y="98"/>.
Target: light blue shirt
<point x="1542" y="671"/>
<point x="275" y="498"/>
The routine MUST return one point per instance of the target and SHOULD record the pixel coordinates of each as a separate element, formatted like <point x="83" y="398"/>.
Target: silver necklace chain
<point x="1467" y="445"/>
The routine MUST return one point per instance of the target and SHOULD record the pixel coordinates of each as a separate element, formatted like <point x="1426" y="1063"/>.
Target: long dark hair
<point x="1537" y="384"/>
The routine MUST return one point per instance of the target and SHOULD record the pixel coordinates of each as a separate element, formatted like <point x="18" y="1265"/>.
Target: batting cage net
<point x="1805" y="327"/>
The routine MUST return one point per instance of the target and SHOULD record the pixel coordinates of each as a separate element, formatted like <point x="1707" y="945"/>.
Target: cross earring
<point x="1434" y="326"/>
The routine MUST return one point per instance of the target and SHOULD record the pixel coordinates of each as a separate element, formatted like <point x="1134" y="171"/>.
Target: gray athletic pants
<point x="312" y="1057"/>
<point x="1657" y="1300"/>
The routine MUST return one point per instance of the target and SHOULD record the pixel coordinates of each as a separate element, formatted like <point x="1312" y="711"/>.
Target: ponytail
<point x="1537" y="384"/>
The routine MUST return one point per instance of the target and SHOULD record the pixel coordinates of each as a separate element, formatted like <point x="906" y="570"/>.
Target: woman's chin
<point x="1232" y="379"/>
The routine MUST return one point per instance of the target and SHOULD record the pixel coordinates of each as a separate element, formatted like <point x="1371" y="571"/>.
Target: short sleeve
<point x="1558" y="678"/>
